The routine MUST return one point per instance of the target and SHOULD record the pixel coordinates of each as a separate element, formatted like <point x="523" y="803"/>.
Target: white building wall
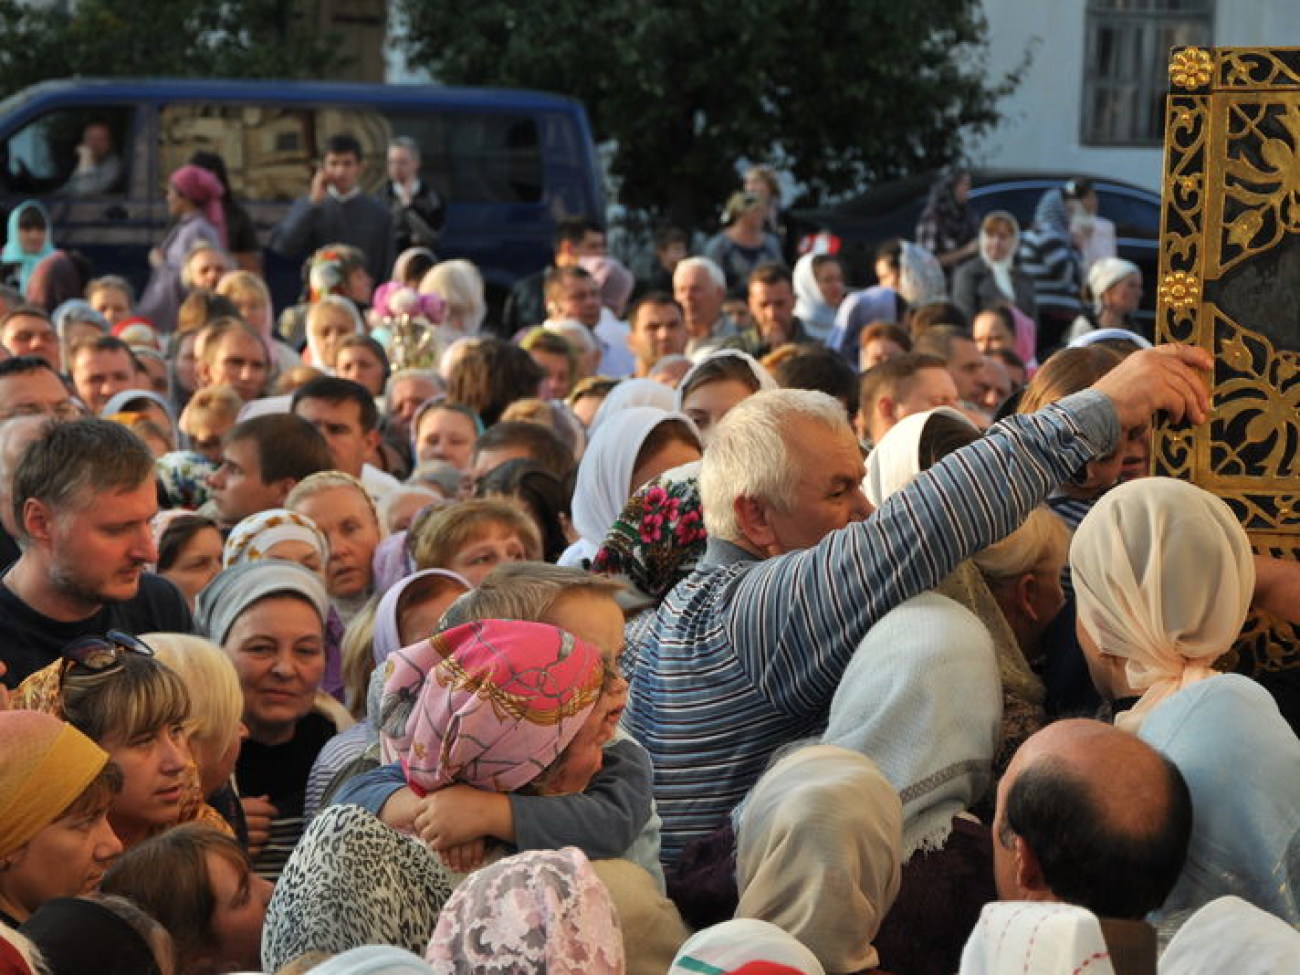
<point x="1041" y="127"/>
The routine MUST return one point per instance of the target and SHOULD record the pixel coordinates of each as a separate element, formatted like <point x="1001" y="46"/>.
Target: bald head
<point x="15" y="434"/>
<point x="1092" y="816"/>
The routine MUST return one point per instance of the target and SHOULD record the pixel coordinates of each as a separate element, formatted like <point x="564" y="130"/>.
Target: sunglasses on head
<point x="97" y="653"/>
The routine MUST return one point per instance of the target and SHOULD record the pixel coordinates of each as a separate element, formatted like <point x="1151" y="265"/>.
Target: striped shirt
<point x="745" y="655"/>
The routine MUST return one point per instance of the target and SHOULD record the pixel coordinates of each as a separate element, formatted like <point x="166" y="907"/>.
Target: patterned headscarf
<point x="542" y="911"/>
<point x="490" y="704"/>
<point x="659" y="537"/>
<point x="743" y="944"/>
<point x="183" y="475"/>
<point x="256" y="535"/>
<point x="352" y="881"/>
<point x="920" y="276"/>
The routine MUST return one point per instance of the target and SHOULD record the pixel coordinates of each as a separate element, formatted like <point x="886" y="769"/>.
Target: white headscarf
<point x="373" y="960"/>
<point x="1041" y="938"/>
<point x="1163" y="576"/>
<point x="1230" y="935"/>
<point x="764" y="378"/>
<point x="316" y="354"/>
<point x="922" y="699"/>
<point x="1106" y="273"/>
<point x="605" y="475"/>
<point x="818" y="853"/>
<point x="633" y="392"/>
<point x="1001" y="269"/>
<point x="817" y="316"/>
<point x="733" y="944"/>
<point x="1239" y="758"/>
<point x="920" y="276"/>
<point x="893" y="463"/>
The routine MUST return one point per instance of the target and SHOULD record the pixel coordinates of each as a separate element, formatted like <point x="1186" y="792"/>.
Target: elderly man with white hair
<point x="700" y="287"/>
<point x="745" y="654"/>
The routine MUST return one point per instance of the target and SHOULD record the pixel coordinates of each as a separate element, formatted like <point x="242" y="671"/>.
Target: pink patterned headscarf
<point x="205" y="191"/>
<point x="541" y="911"/>
<point x="490" y="704"/>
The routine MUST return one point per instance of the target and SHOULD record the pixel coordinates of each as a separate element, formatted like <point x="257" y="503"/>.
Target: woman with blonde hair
<point x="116" y="692"/>
<point x="216" y="725"/>
<point x="329" y="321"/>
<point x="461" y="285"/>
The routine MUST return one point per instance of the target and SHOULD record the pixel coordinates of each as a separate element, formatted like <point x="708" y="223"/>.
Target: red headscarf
<point x="205" y="191"/>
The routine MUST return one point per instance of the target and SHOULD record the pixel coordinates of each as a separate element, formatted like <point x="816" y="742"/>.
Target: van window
<point x="72" y="151"/>
<point x="270" y="152"/>
<point x="478" y="158"/>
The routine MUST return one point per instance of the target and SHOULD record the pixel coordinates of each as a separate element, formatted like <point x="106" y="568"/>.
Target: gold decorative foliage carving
<point x="1190" y="68"/>
<point x="1229" y="281"/>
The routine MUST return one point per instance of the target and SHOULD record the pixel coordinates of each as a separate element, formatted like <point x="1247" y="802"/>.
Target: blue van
<point x="509" y="164"/>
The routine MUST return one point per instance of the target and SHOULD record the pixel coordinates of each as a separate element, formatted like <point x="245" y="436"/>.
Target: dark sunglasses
<point x="97" y="653"/>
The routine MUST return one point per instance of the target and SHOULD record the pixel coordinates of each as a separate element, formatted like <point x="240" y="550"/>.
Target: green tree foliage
<point x="841" y="93"/>
<point x="176" y="38"/>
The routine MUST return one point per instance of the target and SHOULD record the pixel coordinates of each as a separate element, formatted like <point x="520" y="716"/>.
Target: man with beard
<point x="84" y="496"/>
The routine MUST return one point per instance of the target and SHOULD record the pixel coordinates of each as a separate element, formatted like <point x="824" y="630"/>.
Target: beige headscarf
<point x="819" y="853"/>
<point x="1163" y="576"/>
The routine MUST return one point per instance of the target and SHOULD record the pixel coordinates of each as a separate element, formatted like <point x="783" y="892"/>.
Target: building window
<point x="1126" y="59"/>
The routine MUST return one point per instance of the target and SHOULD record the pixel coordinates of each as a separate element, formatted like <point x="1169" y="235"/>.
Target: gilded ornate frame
<point x="1230" y="283"/>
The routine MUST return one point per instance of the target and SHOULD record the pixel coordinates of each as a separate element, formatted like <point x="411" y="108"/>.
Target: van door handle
<point x="115" y="212"/>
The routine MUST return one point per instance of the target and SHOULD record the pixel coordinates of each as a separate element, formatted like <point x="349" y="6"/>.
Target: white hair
<point x="199" y="247"/>
<point x="705" y="264"/>
<point x="461" y="285"/>
<point x="389" y="500"/>
<point x="576" y="334"/>
<point x="401" y="375"/>
<point x="749" y="456"/>
<point x="1043" y="539"/>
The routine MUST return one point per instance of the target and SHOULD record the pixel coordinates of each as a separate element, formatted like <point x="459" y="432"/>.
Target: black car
<point x="891" y="210"/>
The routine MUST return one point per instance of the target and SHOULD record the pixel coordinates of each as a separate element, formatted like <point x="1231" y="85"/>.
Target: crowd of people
<point x="729" y="620"/>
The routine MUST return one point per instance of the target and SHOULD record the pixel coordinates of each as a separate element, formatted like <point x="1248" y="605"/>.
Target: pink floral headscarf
<point x="542" y="911"/>
<point x="490" y="704"/>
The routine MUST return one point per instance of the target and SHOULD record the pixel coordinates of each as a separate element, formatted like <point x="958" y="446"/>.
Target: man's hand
<point x="258" y="813"/>
<point x="319" y="185"/>
<point x="1169" y="378"/>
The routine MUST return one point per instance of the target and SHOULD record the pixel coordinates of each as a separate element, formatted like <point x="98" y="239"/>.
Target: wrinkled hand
<point x="258" y="812"/>
<point x="464" y="857"/>
<point x="1169" y="378"/>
